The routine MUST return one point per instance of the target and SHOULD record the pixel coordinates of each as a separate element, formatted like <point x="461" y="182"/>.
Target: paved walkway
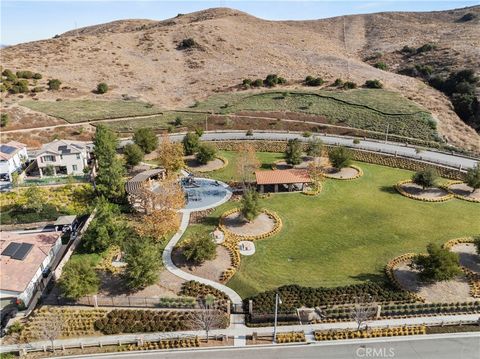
<point x="240" y="331"/>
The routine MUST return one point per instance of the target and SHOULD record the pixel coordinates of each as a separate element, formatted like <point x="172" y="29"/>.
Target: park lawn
<point x="76" y="111"/>
<point x="228" y="173"/>
<point x="346" y="234"/>
<point x="362" y="108"/>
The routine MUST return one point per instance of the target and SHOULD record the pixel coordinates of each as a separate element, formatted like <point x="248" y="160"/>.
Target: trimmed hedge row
<point x="370" y="333"/>
<point x="136" y="321"/>
<point x="164" y="344"/>
<point x="398" y="187"/>
<point x="295" y="296"/>
<point x="357" y="155"/>
<point x="290" y="337"/>
<point x="199" y="290"/>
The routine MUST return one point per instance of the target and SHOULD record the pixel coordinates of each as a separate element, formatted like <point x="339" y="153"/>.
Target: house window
<point x="78" y="156"/>
<point x="74" y="167"/>
<point x="49" y="158"/>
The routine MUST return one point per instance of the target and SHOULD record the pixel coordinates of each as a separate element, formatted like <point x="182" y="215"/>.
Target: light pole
<point x="386" y="133"/>
<point x="277" y="302"/>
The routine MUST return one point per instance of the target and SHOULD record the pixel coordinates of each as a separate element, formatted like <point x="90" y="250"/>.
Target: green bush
<point x="9" y="75"/>
<point x="426" y="178"/>
<point x="381" y="65"/>
<point x="199" y="248"/>
<point x="206" y="152"/>
<point x="473" y="177"/>
<point x="439" y="264"/>
<point x="293" y="152"/>
<point x="37" y="76"/>
<point x="146" y="139"/>
<point x="4" y="119"/>
<point x="314" y="147"/>
<point x="250" y="207"/>
<point x="426" y="47"/>
<point x="373" y="84"/>
<point x="272" y="80"/>
<point x="338" y="83"/>
<point x="313" y="81"/>
<point x="133" y="154"/>
<point x="187" y="43"/>
<point x="54" y="84"/>
<point x="25" y="74"/>
<point x="190" y="143"/>
<point x="102" y="88"/>
<point x="408" y="49"/>
<point x="349" y="85"/>
<point x="79" y="279"/>
<point x="340" y="157"/>
<point x="257" y="83"/>
<point x="142" y="256"/>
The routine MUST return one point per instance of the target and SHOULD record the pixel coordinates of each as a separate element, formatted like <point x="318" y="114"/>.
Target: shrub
<point x="426" y="47"/>
<point x="199" y="132"/>
<point x="249" y="133"/>
<point x="37" y="76"/>
<point x="257" y="83"/>
<point x="54" y="84"/>
<point x="438" y="265"/>
<point x="307" y="134"/>
<point x="293" y="152"/>
<point x="467" y="17"/>
<point x="199" y="248"/>
<point x="9" y="75"/>
<point x="190" y="143"/>
<point x="473" y="177"/>
<point x="250" y="208"/>
<point x="408" y="49"/>
<point x="338" y="83"/>
<point x="133" y="154"/>
<point x="340" y="157"/>
<point x="79" y="279"/>
<point x="146" y="139"/>
<point x="187" y="43"/>
<point x="102" y="88"/>
<point x="272" y="80"/>
<point x="426" y="178"/>
<point x="247" y="82"/>
<point x="314" y="147"/>
<point x="381" y="65"/>
<point x="373" y="84"/>
<point x="142" y="256"/>
<point x="356" y="141"/>
<point x="4" y="119"/>
<point x="25" y="74"/>
<point x="178" y="121"/>
<point x="206" y="152"/>
<point x="313" y="81"/>
<point x="348" y="85"/>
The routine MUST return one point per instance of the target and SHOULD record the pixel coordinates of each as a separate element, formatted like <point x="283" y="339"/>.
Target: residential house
<point x="12" y="157"/>
<point x="62" y="157"/>
<point x="26" y="259"/>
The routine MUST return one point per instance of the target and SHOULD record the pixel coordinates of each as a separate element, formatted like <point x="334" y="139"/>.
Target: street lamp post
<point x="277" y="302"/>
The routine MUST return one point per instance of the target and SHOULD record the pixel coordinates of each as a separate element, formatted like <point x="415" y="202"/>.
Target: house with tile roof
<point x="62" y="157"/>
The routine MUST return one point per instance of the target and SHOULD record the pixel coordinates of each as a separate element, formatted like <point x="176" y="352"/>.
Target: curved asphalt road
<point x="392" y="148"/>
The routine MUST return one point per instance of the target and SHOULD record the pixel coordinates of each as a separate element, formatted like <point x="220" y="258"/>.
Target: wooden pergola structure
<point x="292" y="179"/>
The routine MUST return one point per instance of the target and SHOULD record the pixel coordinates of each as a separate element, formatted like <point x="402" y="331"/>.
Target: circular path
<point x="416" y="191"/>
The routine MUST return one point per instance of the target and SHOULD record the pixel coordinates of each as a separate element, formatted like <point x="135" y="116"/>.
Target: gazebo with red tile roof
<point x="288" y="178"/>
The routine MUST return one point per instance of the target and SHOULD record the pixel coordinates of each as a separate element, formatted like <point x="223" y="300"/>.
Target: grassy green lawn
<point x="75" y="111"/>
<point x="346" y="234"/>
<point x="404" y="117"/>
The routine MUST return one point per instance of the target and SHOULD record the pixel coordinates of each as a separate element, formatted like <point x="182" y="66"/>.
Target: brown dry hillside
<point x="141" y="58"/>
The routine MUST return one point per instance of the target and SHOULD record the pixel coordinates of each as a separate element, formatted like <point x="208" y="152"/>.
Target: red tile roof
<point x="282" y="177"/>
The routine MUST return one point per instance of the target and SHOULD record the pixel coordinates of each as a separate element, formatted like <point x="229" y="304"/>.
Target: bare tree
<point x="208" y="317"/>
<point x="51" y="328"/>
<point x="363" y="310"/>
<point x="247" y="163"/>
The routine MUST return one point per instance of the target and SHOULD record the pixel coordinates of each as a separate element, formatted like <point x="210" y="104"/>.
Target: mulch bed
<point x="417" y="191"/>
<point x="260" y="225"/>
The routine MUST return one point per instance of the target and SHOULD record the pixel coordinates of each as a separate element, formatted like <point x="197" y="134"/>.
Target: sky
<point x="23" y="21"/>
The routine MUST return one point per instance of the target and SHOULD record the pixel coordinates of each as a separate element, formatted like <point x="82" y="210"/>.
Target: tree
<point x="339" y="157"/>
<point x="363" y="310"/>
<point x="473" y="177"/>
<point x="190" y="143"/>
<point x="426" y="178"/>
<point x="133" y="154"/>
<point x="143" y="258"/>
<point x="109" y="181"/>
<point x="102" y="88"/>
<point x="146" y="139"/>
<point x="54" y="84"/>
<point x="316" y="174"/>
<point x="439" y="264"/>
<point x="79" y="279"/>
<point x="247" y="163"/>
<point x="206" y="153"/>
<point x="4" y="119"/>
<point x="293" y="152"/>
<point x="35" y="199"/>
<point x="199" y="248"/>
<point x="314" y="147"/>
<point x="52" y="328"/>
<point x="170" y="155"/>
<point x="250" y="208"/>
<point x="49" y="170"/>
<point x="206" y="318"/>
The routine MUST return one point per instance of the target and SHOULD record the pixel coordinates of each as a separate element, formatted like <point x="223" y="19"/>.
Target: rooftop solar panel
<point x="11" y="249"/>
<point x="22" y="251"/>
<point x="7" y="149"/>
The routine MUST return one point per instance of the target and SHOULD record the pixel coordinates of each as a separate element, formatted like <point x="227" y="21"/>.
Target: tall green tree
<point x="206" y="153"/>
<point x="133" y="154"/>
<point x="250" y="207"/>
<point x="340" y="157"/>
<point x="473" y="177"/>
<point x="199" y="248"/>
<point x="426" y="178"/>
<point x="79" y="279"/>
<point x="35" y="200"/>
<point x="293" y="152"/>
<point x="439" y="264"/>
<point x="143" y="258"/>
<point x="314" y="147"/>
<point x="109" y="181"/>
<point x="146" y="138"/>
<point x="190" y="143"/>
